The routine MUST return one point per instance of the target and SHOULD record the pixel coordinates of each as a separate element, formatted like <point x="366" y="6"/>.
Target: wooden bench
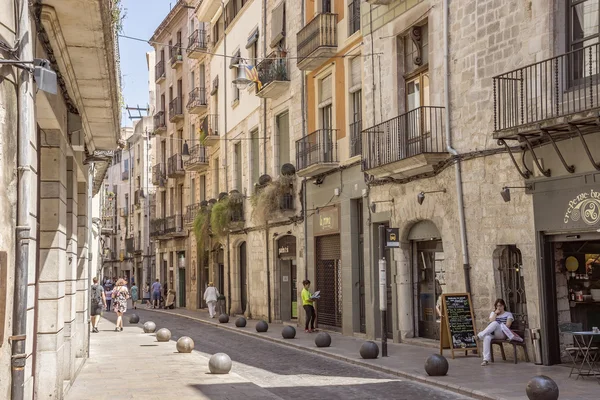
<point x="516" y="328"/>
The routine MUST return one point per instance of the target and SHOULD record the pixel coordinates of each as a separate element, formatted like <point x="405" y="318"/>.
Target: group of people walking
<point x="111" y="297"/>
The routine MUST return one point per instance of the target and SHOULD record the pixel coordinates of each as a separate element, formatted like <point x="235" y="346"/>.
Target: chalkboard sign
<point x="458" y="324"/>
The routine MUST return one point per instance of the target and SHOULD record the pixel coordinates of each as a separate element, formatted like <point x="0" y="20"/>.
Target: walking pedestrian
<point x="307" y="304"/>
<point x="134" y="296"/>
<point x="156" y="289"/>
<point x="98" y="301"/>
<point x="146" y="295"/>
<point x="211" y="294"/>
<point x="108" y="289"/>
<point x="120" y="295"/>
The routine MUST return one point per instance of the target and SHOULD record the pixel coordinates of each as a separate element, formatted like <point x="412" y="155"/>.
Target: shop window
<point x="510" y="283"/>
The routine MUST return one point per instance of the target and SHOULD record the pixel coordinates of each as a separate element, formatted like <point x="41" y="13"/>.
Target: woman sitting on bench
<point x="498" y="317"/>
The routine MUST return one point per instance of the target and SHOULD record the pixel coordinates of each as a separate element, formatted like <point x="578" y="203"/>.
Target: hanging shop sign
<point x="326" y="221"/>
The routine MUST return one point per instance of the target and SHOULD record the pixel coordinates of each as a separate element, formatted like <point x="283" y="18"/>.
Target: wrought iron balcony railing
<point x="355" y="138"/>
<point x="159" y="121"/>
<point x="197" y="98"/>
<point x="557" y="87"/>
<point x="316" y="148"/>
<point x="198" y="156"/>
<point x="175" y="53"/>
<point x="157" y="227"/>
<point x="320" y="32"/>
<point x="159" y="70"/>
<point x="286" y="202"/>
<point x="416" y="132"/>
<point x="174" y="224"/>
<point x="210" y="128"/>
<point x="158" y="174"/>
<point x="197" y="41"/>
<point x="175" y="109"/>
<point x="175" y="166"/>
<point x="191" y="212"/>
<point x="273" y="68"/>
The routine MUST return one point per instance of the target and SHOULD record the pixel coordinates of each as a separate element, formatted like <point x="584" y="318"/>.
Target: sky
<point x="142" y="18"/>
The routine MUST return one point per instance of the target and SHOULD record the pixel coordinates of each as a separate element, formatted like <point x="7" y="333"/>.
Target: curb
<point x="475" y="394"/>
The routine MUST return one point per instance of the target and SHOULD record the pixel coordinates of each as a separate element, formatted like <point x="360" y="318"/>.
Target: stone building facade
<point x="49" y="249"/>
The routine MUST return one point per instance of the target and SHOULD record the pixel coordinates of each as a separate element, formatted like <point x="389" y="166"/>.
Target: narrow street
<point x="261" y="369"/>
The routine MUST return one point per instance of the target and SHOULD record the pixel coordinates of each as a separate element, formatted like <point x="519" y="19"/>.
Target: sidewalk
<point x="500" y="380"/>
<point x="133" y="365"/>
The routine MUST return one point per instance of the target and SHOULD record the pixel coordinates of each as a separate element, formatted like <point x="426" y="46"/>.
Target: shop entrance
<point x="328" y="273"/>
<point x="288" y="284"/>
<point x="571" y="280"/>
<point x="243" y="281"/>
<point x="428" y="277"/>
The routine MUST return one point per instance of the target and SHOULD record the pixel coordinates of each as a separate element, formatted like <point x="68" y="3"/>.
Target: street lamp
<point x="241" y="81"/>
<point x="505" y="193"/>
<point x="421" y="196"/>
<point x="185" y="152"/>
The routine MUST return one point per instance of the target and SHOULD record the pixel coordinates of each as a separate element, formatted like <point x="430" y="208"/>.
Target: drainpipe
<point x="25" y="107"/>
<point x="451" y="150"/>
<point x="304" y="186"/>
<point x="90" y="190"/>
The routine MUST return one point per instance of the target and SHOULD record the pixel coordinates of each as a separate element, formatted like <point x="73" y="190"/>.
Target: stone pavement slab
<point x="500" y="380"/>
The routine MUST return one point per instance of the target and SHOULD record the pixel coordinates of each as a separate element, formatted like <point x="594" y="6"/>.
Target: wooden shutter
<point x="278" y="24"/>
<point x="325" y="90"/>
<point x="355" y="74"/>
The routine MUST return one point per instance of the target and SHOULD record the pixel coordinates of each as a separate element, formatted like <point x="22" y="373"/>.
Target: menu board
<point x="458" y="328"/>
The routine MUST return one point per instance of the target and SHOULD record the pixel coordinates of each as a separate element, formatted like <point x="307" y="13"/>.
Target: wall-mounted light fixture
<point x="44" y="76"/>
<point x="185" y="152"/>
<point x="505" y="193"/>
<point x="421" y="195"/>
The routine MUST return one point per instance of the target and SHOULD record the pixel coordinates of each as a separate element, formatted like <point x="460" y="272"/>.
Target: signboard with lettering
<point x="457" y="332"/>
<point x="326" y="221"/>
<point x="392" y="237"/>
<point x="286" y="247"/>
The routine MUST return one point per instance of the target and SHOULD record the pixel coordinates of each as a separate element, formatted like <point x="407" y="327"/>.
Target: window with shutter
<point x="278" y="24"/>
<point x="325" y="92"/>
<point x="355" y="74"/>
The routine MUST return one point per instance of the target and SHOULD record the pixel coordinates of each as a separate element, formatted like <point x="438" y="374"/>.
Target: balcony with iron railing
<point x="236" y="209"/>
<point x="175" y="55"/>
<point x="175" y="166"/>
<point x="316" y="153"/>
<point x="197" y="101"/>
<point x="353" y="17"/>
<point x="157" y="227"/>
<point x="273" y="73"/>
<point x="286" y="201"/>
<point x="197" y="44"/>
<point x="160" y="123"/>
<point x="175" y="110"/>
<point x="407" y="145"/>
<point x="209" y="130"/>
<point x="174" y="226"/>
<point x="558" y="94"/>
<point x="198" y="159"/>
<point x="355" y="133"/>
<point x="191" y="212"/>
<point x="159" y="71"/>
<point x="317" y="41"/>
<point x="108" y="227"/>
<point x="159" y="175"/>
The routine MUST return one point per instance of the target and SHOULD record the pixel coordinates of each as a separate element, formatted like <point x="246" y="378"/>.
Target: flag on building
<point x="253" y="75"/>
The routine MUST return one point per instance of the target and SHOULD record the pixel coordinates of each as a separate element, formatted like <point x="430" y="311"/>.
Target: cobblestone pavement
<point x="262" y="369"/>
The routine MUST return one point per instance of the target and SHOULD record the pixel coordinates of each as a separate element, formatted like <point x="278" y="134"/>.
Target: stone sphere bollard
<point x="134" y="319"/>
<point x="185" y="344"/>
<point x="262" y="326"/>
<point x="323" y="339"/>
<point x="219" y="363"/>
<point x="223" y="318"/>
<point x="369" y="350"/>
<point x="163" y="335"/>
<point x="288" y="332"/>
<point x="240" y="322"/>
<point x="541" y="387"/>
<point x="436" y="365"/>
<point x="149" y="327"/>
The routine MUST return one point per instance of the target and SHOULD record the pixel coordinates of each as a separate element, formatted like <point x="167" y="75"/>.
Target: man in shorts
<point x="156" y="290"/>
<point x="97" y="304"/>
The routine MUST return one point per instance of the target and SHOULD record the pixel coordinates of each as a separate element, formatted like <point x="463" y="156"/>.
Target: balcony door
<point x="325" y="6"/>
<point x="324" y="144"/>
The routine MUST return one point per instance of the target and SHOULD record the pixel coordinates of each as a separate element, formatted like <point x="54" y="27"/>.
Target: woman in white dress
<point x="211" y="294"/>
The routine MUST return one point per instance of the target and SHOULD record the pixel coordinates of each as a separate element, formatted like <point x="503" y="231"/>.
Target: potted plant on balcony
<point x="220" y="217"/>
<point x="267" y="198"/>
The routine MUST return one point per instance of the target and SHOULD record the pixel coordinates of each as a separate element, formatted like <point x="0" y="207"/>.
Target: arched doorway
<point x="428" y="277"/>
<point x="243" y="278"/>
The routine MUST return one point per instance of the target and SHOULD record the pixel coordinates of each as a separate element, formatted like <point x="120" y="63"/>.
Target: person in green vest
<point x="307" y="304"/>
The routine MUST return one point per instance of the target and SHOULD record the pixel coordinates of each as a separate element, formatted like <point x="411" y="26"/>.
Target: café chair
<point x="519" y="330"/>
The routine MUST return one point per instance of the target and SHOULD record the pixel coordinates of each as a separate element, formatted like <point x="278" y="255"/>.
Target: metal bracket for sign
<point x="525" y="174"/>
<point x="585" y="147"/>
<point x="545" y="172"/>
<point x="569" y="168"/>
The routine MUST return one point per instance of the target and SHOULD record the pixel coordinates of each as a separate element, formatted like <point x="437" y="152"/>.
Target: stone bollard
<point x="240" y="322"/>
<point x="219" y="363"/>
<point x="163" y="335"/>
<point x="149" y="327"/>
<point x="223" y="318"/>
<point x="369" y="350"/>
<point x="541" y="387"/>
<point x="262" y="326"/>
<point x="436" y="365"/>
<point x="288" y="332"/>
<point x="185" y="344"/>
<point x="323" y="339"/>
<point x="134" y="319"/>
